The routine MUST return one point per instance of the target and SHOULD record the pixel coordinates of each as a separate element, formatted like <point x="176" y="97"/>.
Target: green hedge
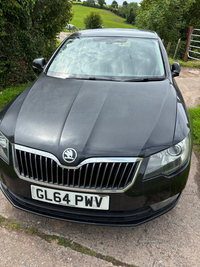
<point x="28" y="29"/>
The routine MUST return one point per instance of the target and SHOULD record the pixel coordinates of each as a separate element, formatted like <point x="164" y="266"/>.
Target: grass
<point x="110" y="20"/>
<point x="8" y="224"/>
<point x="13" y="225"/>
<point x="189" y="63"/>
<point x="32" y="230"/>
<point x="195" y="114"/>
<point x="76" y="247"/>
<point x="77" y="2"/>
<point x="9" y="93"/>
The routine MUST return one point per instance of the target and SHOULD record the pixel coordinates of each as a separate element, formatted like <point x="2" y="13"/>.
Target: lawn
<point x="110" y="20"/>
<point x="189" y="63"/>
<point x="195" y="114"/>
<point x="9" y="93"/>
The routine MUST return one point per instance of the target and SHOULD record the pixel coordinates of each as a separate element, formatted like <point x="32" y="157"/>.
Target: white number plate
<point x="71" y="199"/>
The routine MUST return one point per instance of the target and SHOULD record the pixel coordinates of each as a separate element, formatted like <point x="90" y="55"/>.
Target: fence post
<point x="176" y="48"/>
<point x="168" y="47"/>
<point x="188" y="43"/>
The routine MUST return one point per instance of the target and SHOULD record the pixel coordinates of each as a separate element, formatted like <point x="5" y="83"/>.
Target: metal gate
<point x="194" y="46"/>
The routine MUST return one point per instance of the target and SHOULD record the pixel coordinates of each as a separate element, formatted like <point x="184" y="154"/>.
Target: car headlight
<point x="168" y="160"/>
<point x="4" y="148"/>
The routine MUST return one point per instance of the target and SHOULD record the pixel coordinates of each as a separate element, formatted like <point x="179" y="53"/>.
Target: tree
<point x="114" y="4"/>
<point x="169" y="18"/>
<point x="89" y="3"/>
<point x="131" y="12"/>
<point x="101" y="3"/>
<point x="93" y="20"/>
<point x="124" y="3"/>
<point x="191" y="16"/>
<point x="28" y="29"/>
<point x="162" y="16"/>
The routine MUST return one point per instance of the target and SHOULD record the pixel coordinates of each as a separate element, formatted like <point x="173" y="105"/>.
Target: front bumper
<point x="107" y="218"/>
<point x="129" y="208"/>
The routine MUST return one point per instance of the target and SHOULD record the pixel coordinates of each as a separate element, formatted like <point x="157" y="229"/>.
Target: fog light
<point x="163" y="203"/>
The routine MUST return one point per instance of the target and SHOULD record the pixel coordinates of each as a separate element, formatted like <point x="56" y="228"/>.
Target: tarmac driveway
<point x="170" y="240"/>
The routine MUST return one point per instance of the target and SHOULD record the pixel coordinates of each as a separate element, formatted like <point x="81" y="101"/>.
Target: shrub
<point x="93" y="20"/>
<point x="28" y="29"/>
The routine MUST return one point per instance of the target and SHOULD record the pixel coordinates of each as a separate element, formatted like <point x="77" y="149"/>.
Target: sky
<point x="109" y="2"/>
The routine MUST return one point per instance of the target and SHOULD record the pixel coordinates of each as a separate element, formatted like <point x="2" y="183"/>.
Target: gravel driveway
<point x="189" y="84"/>
<point x="170" y="240"/>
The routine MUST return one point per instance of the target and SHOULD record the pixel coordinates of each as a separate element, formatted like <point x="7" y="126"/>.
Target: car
<point x="70" y="27"/>
<point x="102" y="136"/>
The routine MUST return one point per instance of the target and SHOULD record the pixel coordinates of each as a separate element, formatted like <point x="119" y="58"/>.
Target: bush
<point x="28" y="29"/>
<point x="93" y="20"/>
<point x="170" y="19"/>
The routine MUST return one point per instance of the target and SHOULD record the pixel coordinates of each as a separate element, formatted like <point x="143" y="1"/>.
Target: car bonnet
<point x="96" y="118"/>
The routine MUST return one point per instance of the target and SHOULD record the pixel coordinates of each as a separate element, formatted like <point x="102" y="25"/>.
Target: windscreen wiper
<point x="145" y="79"/>
<point x="93" y="78"/>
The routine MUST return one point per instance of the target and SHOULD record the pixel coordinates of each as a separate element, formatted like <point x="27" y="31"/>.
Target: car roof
<point x="117" y="32"/>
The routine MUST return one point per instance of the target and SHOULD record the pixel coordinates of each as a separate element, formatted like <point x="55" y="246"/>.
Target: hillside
<point x="110" y="20"/>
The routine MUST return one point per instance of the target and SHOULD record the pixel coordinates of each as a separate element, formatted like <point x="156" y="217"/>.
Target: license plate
<point x="71" y="199"/>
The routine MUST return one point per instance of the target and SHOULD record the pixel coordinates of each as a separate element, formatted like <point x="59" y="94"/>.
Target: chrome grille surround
<point x="107" y="174"/>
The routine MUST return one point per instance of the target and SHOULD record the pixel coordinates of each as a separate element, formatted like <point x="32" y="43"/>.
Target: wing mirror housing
<point x="176" y="69"/>
<point x="39" y="63"/>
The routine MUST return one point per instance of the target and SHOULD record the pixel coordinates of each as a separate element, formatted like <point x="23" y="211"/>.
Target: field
<point x="110" y="20"/>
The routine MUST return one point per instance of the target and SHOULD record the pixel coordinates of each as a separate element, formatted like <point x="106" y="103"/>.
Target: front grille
<point x="96" y="176"/>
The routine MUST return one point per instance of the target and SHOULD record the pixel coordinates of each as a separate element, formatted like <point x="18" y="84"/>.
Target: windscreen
<point x="108" y="57"/>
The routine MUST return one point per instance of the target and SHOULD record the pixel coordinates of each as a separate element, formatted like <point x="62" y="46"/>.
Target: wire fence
<point x="175" y="50"/>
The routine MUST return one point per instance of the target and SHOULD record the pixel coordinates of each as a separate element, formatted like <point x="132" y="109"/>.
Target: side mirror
<point x="39" y="63"/>
<point x="176" y="69"/>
